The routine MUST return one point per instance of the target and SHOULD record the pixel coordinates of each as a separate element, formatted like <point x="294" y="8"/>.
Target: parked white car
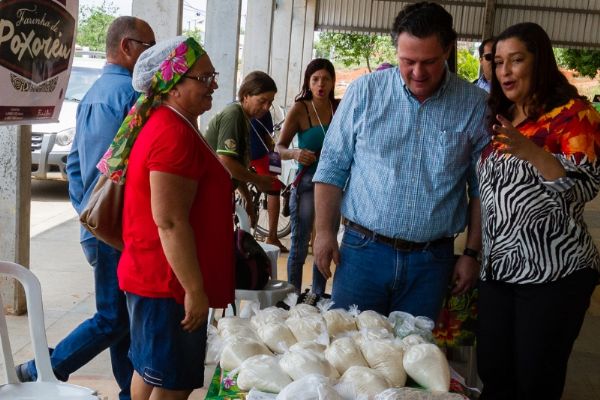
<point x="51" y="143"/>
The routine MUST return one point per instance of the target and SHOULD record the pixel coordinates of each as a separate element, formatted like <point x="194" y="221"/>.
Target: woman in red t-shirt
<point x="177" y="227"/>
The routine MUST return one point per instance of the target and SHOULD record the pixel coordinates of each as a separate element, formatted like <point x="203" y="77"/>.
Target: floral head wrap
<point x="156" y="72"/>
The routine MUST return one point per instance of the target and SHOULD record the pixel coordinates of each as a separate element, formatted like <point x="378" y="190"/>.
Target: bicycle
<point x="259" y="201"/>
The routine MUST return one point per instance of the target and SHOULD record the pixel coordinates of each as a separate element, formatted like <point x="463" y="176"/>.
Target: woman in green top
<point x="308" y="118"/>
<point x="228" y="133"/>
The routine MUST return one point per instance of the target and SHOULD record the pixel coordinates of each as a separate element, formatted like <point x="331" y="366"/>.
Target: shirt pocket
<point x="448" y="150"/>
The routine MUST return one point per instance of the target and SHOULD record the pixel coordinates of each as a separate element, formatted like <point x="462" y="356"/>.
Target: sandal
<point x="277" y="242"/>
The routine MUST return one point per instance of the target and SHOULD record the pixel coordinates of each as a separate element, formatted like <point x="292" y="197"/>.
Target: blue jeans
<point x="302" y="215"/>
<point x="375" y="276"/>
<point x="108" y="328"/>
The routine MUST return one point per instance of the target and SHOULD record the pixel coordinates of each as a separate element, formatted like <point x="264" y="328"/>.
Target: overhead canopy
<point x="569" y="23"/>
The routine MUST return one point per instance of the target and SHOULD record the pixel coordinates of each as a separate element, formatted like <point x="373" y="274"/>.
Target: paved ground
<point x="67" y="286"/>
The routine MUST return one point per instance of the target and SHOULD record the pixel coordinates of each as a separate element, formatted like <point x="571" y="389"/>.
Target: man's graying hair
<point x="120" y="28"/>
<point x="423" y="20"/>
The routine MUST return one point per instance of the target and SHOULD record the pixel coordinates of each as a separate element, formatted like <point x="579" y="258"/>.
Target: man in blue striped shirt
<point x="399" y="163"/>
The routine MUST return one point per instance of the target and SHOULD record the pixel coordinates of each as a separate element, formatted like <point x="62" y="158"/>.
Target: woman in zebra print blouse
<point x="540" y="265"/>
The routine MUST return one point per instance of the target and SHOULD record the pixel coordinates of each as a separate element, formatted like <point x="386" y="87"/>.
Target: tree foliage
<point x="195" y="33"/>
<point x="355" y="48"/>
<point x="586" y="62"/>
<point x="93" y="24"/>
<point x="467" y="65"/>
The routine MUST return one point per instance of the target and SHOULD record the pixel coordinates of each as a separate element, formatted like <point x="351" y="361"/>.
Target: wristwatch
<point x="471" y="253"/>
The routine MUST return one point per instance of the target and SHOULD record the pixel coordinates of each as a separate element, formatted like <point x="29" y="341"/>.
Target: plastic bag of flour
<point x="310" y="387"/>
<point x="269" y="315"/>
<point x="263" y="373"/>
<point x="370" y="319"/>
<point x="343" y="353"/>
<point x="385" y="356"/>
<point x="365" y="383"/>
<point x="298" y="364"/>
<point x="428" y="366"/>
<point x="309" y="328"/>
<point x="229" y="325"/>
<point x="277" y="336"/>
<point x="238" y="349"/>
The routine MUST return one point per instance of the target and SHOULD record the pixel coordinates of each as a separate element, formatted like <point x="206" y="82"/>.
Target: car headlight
<point x="65" y="138"/>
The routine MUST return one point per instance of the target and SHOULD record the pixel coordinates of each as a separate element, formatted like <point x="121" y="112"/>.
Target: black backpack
<point x="252" y="265"/>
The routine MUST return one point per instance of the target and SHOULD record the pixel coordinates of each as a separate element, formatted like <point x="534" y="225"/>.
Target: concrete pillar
<point x="164" y="17"/>
<point x="15" y="202"/>
<point x="295" y="66"/>
<point x="309" y="32"/>
<point x="280" y="49"/>
<point x="222" y="45"/>
<point x="257" y="40"/>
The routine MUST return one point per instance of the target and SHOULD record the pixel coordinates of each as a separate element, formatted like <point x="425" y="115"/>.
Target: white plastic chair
<point x="46" y="387"/>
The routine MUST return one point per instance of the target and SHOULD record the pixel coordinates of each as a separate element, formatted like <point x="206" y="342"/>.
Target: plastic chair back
<point x="46" y="386"/>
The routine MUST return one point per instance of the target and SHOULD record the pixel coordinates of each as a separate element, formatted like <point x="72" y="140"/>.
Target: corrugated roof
<point x="569" y="23"/>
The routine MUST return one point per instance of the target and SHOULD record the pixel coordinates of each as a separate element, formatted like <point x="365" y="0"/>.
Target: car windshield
<point x="80" y="81"/>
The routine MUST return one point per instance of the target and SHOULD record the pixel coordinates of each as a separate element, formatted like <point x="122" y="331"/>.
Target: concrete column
<point x="280" y="49"/>
<point x="164" y="17"/>
<point x="15" y="202"/>
<point x="309" y="32"/>
<point x="257" y="41"/>
<point x="295" y="66"/>
<point x="222" y="44"/>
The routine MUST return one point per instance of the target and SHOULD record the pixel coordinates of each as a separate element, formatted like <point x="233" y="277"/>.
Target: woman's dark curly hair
<point x="549" y="87"/>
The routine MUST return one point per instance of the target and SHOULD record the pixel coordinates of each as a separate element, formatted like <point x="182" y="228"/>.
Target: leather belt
<point x="398" y="244"/>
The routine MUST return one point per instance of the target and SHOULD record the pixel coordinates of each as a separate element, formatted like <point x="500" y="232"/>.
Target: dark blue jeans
<point x="302" y="215"/>
<point x="108" y="328"/>
<point x="375" y="276"/>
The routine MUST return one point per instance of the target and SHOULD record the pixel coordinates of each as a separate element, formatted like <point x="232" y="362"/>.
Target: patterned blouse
<point x="533" y="229"/>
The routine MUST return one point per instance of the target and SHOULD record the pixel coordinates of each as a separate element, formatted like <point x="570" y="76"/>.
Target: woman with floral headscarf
<point x="177" y="227"/>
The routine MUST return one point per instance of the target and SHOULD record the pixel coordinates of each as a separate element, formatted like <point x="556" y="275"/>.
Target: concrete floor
<point x="67" y="287"/>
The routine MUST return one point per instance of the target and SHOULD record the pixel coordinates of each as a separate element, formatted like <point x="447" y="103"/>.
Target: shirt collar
<point x="115" y="69"/>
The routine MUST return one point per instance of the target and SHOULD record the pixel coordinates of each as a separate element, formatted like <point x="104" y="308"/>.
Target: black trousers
<point x="526" y="333"/>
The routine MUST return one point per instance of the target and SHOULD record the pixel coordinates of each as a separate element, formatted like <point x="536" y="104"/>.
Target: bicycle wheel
<point x="284" y="226"/>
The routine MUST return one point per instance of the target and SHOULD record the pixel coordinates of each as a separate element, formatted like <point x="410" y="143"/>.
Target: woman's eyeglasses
<point x="145" y="44"/>
<point x="206" y="79"/>
<point x="488" y="56"/>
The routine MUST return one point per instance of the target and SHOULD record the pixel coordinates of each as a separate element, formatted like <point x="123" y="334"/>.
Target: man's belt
<point x="398" y="244"/>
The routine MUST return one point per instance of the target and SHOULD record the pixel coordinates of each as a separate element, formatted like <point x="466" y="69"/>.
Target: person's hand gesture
<point x="305" y="157"/>
<point x="196" y="310"/>
<point x="512" y="141"/>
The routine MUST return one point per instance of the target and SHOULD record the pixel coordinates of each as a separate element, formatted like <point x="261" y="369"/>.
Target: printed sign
<point x="37" y="43"/>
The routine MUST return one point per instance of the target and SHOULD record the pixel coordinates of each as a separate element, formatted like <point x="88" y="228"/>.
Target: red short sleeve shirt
<point x="168" y="144"/>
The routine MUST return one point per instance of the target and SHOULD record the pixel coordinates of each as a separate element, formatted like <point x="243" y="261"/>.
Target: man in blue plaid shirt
<point x="398" y="162"/>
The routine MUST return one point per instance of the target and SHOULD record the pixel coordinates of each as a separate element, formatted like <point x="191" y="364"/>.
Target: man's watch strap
<point x="471" y="253"/>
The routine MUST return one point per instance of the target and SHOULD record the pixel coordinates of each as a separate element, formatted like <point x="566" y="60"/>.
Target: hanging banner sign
<point x="37" y="43"/>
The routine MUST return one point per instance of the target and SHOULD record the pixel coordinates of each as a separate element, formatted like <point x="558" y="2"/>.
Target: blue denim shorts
<point x="161" y="352"/>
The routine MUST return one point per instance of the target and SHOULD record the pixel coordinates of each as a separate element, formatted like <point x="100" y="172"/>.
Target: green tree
<point x="467" y="65"/>
<point x="93" y="24"/>
<point x="195" y="33"/>
<point x="586" y="62"/>
<point x="355" y="48"/>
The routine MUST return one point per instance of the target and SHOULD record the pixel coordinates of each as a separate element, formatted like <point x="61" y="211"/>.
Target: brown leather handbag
<point x="103" y="214"/>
